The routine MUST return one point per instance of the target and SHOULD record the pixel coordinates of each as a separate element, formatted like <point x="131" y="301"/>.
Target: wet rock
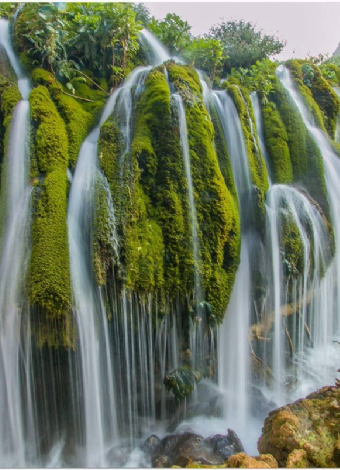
<point x="192" y="447"/>
<point x="260" y="405"/>
<point x="310" y="424"/>
<point x="243" y="460"/>
<point x="226" y="445"/>
<point x="161" y="461"/>
<point x="152" y="445"/>
<point x="169" y="443"/>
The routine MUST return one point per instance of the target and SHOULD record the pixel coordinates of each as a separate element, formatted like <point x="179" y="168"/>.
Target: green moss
<point x="305" y="155"/>
<point x="217" y="210"/>
<point x="78" y="117"/>
<point x="149" y="189"/>
<point x="320" y="91"/>
<point x="9" y="98"/>
<point x="292" y="247"/>
<point x="49" y="282"/>
<point x="276" y="141"/>
<point x="257" y="165"/>
<point x="222" y="152"/>
<point x="297" y="76"/>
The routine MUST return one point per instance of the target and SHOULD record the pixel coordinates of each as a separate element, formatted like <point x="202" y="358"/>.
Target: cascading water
<point x="326" y="312"/>
<point x="17" y="433"/>
<point x="233" y="367"/>
<point x="96" y="351"/>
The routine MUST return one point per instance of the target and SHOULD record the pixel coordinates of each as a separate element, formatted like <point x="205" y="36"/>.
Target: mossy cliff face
<point x="49" y="279"/>
<point x="305" y="431"/>
<point x="305" y="156"/>
<point x="276" y="141"/>
<point x="149" y="189"/>
<point x="9" y="98"/>
<point x="79" y="116"/>
<point x="319" y="96"/>
<point x="257" y="165"/>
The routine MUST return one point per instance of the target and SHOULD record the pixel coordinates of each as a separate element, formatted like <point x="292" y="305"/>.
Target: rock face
<point x="305" y="433"/>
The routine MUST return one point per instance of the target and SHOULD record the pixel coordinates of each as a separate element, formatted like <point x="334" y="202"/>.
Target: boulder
<point x="309" y="424"/>
<point x="243" y="460"/>
<point x="226" y="445"/>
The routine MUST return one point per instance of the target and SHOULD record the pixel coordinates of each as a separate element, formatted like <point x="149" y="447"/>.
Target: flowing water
<point x="16" y="427"/>
<point x="126" y="345"/>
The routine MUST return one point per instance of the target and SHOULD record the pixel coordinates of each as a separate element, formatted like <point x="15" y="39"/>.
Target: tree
<point x="206" y="53"/>
<point x="173" y="32"/>
<point x="243" y="45"/>
<point x="142" y="13"/>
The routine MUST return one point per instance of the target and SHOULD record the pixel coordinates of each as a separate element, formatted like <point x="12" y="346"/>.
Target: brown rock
<point x="243" y="460"/>
<point x="298" y="459"/>
<point x="310" y="424"/>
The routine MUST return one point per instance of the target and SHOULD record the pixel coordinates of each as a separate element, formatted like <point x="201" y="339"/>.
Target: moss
<point x="217" y="210"/>
<point x="222" y="152"/>
<point x="257" y="165"/>
<point x="77" y="118"/>
<point x="9" y="98"/>
<point x="292" y="246"/>
<point x="276" y="139"/>
<point x="310" y="425"/>
<point x="322" y="94"/>
<point x="49" y="282"/>
<point x="305" y="155"/>
<point x="297" y="76"/>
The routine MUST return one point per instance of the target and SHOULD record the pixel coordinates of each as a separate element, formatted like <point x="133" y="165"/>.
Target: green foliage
<point x="49" y="280"/>
<point x="7" y="10"/>
<point x="142" y="13"/>
<point x="181" y="382"/>
<point x="207" y="54"/>
<point x="243" y="45"/>
<point x="173" y="32"/>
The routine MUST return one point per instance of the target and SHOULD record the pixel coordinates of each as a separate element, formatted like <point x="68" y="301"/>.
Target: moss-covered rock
<point x="49" y="281"/>
<point x="78" y="116"/>
<point x="257" y="164"/>
<point x="319" y="96"/>
<point x="305" y="156"/>
<point x="9" y="98"/>
<point x="243" y="460"/>
<point x="276" y="139"/>
<point x="310" y="424"/>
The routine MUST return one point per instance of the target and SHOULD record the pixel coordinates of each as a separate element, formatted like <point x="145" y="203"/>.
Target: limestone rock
<point x="309" y="424"/>
<point x="243" y="460"/>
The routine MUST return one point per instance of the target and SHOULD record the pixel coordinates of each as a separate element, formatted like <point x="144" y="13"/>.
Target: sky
<point x="308" y="27"/>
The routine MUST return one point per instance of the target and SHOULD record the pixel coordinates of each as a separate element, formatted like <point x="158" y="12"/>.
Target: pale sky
<point x="308" y="27"/>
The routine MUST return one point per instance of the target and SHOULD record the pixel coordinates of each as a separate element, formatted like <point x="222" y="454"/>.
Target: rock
<point x="192" y="447"/>
<point x="260" y="405"/>
<point x="161" y="461"/>
<point x="226" y="445"/>
<point x="152" y="445"/>
<point x="310" y="424"/>
<point x="297" y="459"/>
<point x="242" y="460"/>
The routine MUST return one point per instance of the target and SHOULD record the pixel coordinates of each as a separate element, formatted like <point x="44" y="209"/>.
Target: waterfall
<point x="17" y="432"/>
<point x="258" y="120"/>
<point x="155" y="51"/>
<point x="233" y="352"/>
<point x="326" y="312"/>
<point x="96" y="352"/>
